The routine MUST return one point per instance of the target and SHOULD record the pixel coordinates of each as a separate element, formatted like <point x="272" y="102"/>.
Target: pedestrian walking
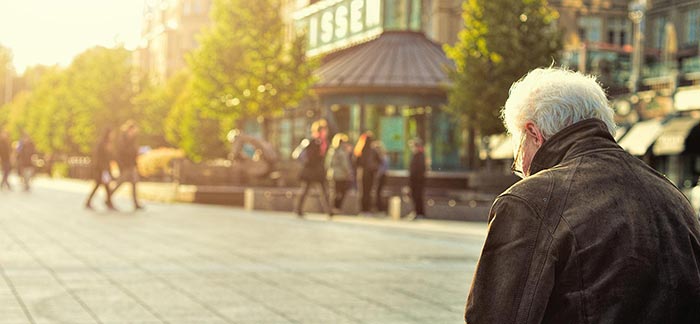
<point x="5" y="156"/>
<point x="25" y="166"/>
<point x="127" y="151"/>
<point x="416" y="178"/>
<point x="368" y="163"/>
<point x="101" y="174"/>
<point x="340" y="170"/>
<point x="380" y="180"/>
<point x="313" y="172"/>
<point x="591" y="234"/>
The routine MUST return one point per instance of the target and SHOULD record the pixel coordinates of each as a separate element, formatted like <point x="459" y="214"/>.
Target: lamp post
<point x="636" y="14"/>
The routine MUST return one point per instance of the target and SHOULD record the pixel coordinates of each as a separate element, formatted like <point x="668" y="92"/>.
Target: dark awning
<point x="640" y="137"/>
<point x="406" y="62"/>
<point x="673" y="136"/>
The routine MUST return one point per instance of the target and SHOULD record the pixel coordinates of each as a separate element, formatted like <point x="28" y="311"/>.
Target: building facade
<point x="169" y="32"/>
<point x="383" y="70"/>
<point x="645" y="52"/>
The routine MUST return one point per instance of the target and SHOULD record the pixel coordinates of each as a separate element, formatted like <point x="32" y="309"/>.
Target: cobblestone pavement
<point x="183" y="263"/>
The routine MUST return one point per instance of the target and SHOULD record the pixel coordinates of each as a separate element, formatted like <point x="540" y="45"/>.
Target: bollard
<point x="248" y="199"/>
<point x="395" y="208"/>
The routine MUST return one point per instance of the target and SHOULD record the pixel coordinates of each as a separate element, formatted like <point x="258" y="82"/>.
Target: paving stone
<point x="199" y="264"/>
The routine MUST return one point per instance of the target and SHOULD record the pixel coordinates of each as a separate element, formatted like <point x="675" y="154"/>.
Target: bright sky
<point x="54" y="31"/>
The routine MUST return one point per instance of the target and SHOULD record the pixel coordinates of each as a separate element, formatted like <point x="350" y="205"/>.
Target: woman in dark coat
<point x="416" y="178"/>
<point x="101" y="157"/>
<point x="312" y="154"/>
<point x="369" y="161"/>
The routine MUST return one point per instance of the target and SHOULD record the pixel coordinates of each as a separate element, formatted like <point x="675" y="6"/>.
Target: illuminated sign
<point x="334" y="24"/>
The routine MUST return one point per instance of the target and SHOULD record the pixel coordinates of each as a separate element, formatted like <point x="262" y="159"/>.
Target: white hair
<point x="554" y="98"/>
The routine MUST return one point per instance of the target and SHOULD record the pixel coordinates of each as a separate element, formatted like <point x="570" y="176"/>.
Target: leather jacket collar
<point x="574" y="140"/>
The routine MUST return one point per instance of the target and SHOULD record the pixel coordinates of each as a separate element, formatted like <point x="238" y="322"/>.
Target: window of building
<point x="693" y="27"/>
<point x="285" y="138"/>
<point x="623" y="38"/>
<point x="416" y="17"/>
<point x="197" y="7"/>
<point x="617" y="30"/>
<point x="403" y="14"/>
<point x="187" y="7"/>
<point x="659" y="32"/>
<point x="395" y="14"/>
<point x="427" y="21"/>
<point x="299" y="130"/>
<point x="445" y="139"/>
<point x="590" y="28"/>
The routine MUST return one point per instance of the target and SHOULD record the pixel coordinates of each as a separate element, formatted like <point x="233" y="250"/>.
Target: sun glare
<point x="51" y="32"/>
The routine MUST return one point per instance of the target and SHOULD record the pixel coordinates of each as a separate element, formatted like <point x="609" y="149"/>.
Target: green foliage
<point x="63" y="110"/>
<point x="188" y="128"/>
<point x="100" y="94"/>
<point x="501" y="41"/>
<point x="13" y="116"/>
<point x="47" y="117"/>
<point x="244" y="67"/>
<point x="60" y="170"/>
<point x="6" y="72"/>
<point x="154" y="103"/>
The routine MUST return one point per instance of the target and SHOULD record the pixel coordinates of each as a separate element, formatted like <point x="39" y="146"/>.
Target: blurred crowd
<point x="119" y="146"/>
<point x="337" y="166"/>
<point x="19" y="154"/>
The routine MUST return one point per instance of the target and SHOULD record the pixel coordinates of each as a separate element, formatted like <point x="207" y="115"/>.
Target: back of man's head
<point x="554" y="98"/>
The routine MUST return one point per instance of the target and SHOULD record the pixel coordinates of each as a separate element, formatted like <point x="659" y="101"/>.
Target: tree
<point x="154" y="104"/>
<point x="47" y="118"/>
<point x="64" y="110"/>
<point x="100" y="93"/>
<point x="501" y="41"/>
<point x="7" y="75"/>
<point x="244" y="67"/>
<point x="188" y="128"/>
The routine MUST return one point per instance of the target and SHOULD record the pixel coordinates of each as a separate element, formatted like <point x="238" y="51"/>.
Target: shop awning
<point x="406" y="62"/>
<point x="640" y="137"/>
<point x="673" y="136"/>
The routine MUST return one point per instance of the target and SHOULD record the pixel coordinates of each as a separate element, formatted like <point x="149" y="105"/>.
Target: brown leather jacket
<point x="593" y="236"/>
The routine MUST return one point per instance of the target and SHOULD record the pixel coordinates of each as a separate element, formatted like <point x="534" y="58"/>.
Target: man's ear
<point x="534" y="131"/>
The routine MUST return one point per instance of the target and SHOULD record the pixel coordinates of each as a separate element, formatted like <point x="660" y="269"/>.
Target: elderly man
<point x="591" y="234"/>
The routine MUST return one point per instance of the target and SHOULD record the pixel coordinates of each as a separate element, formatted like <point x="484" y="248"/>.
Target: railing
<point x="656" y="70"/>
<point x="691" y="65"/>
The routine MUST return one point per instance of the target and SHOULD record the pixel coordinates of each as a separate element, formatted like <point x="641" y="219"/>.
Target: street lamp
<point x="636" y="14"/>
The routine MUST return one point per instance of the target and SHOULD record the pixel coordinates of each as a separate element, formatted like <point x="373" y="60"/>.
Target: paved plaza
<point x="186" y="263"/>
